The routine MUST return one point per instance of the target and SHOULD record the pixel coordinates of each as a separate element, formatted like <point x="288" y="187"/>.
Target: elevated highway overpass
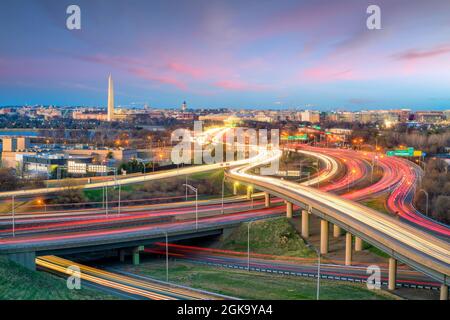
<point x="403" y="242"/>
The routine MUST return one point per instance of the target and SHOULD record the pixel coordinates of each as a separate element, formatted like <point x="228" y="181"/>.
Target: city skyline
<point x="288" y="54"/>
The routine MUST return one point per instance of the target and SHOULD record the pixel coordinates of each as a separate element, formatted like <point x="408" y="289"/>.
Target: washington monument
<point x="110" y="99"/>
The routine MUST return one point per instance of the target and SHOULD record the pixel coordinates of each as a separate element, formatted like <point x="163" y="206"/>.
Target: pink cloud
<point x="323" y="73"/>
<point x="238" y="85"/>
<point x="422" y="54"/>
<point x="189" y="70"/>
<point x="162" y="79"/>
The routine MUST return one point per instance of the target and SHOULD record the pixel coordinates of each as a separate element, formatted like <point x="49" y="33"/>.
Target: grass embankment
<point x="254" y="285"/>
<point x="19" y="283"/>
<point x="378" y="204"/>
<point x="275" y="236"/>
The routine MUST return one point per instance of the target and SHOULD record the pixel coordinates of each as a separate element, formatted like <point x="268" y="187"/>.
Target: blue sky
<point x="242" y="54"/>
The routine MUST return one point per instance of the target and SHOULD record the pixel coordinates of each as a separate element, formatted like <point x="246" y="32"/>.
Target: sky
<point x="278" y="54"/>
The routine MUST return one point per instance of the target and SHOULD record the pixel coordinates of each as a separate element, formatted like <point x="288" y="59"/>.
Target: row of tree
<point x="436" y="183"/>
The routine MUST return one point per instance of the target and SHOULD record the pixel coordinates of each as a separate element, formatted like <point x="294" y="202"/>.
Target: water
<point x="29" y="133"/>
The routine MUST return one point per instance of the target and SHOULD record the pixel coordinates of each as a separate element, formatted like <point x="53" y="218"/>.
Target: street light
<point x="223" y="191"/>
<point x="426" y="194"/>
<point x="248" y="243"/>
<point x="196" y="202"/>
<point x="318" y="269"/>
<point x="118" y="207"/>
<point x="13" y="217"/>
<point x="106" y="199"/>
<point x="352" y="172"/>
<point x="167" y="257"/>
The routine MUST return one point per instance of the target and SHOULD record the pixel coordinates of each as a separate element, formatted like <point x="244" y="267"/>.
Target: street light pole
<point x="426" y="194"/>
<point x="248" y="244"/>
<point x="106" y="200"/>
<point x="196" y="202"/>
<point x="186" y="188"/>
<point x="167" y="257"/>
<point x="13" y="217"/>
<point x="120" y="189"/>
<point x="223" y="191"/>
<point x="318" y="271"/>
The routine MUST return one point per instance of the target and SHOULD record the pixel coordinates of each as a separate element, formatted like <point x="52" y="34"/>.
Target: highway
<point x="399" y="180"/>
<point x="149" y="289"/>
<point x="426" y="252"/>
<point x="406" y="243"/>
<point x="306" y="267"/>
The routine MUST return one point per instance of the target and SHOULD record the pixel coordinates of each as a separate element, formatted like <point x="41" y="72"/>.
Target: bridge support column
<point x="235" y="186"/>
<point x="348" y="249"/>
<point x="289" y="209"/>
<point x="323" y="236"/>
<point x="249" y="193"/>
<point x="444" y="292"/>
<point x="358" y="244"/>
<point x="305" y="224"/>
<point x="136" y="258"/>
<point x="336" y="231"/>
<point x="392" y="273"/>
<point x="266" y="199"/>
<point x="122" y="255"/>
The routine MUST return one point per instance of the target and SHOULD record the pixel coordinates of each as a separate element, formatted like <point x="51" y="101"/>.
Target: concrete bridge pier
<point x="249" y="192"/>
<point x="136" y="258"/>
<point x="25" y="259"/>
<point x="336" y="231"/>
<point x="289" y="209"/>
<point x="348" y="249"/>
<point x="266" y="199"/>
<point x="235" y="187"/>
<point x="323" y="236"/>
<point x="358" y="244"/>
<point x="305" y="224"/>
<point x="392" y="273"/>
<point x="122" y="255"/>
<point x="444" y="292"/>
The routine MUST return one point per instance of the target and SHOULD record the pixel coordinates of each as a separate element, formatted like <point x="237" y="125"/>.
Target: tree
<point x="8" y="180"/>
<point x="70" y="194"/>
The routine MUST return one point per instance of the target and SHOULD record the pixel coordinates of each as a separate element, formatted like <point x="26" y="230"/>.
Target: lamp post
<point x="318" y="269"/>
<point x="13" y="217"/>
<point x="426" y="194"/>
<point x="248" y="244"/>
<point x="167" y="257"/>
<point x="106" y="199"/>
<point x="118" y="207"/>
<point x="196" y="202"/>
<point x="186" y="188"/>
<point x="348" y="180"/>
<point x="223" y="191"/>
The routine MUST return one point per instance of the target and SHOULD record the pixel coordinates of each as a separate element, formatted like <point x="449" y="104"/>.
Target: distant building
<point x="83" y="115"/>
<point x="184" y="106"/>
<point x="429" y="116"/>
<point x="310" y="116"/>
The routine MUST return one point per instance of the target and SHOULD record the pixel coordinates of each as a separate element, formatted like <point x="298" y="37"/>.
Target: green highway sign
<point x="409" y="152"/>
<point x="297" y="137"/>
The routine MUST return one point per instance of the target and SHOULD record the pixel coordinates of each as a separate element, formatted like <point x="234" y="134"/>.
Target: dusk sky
<point x="243" y="54"/>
